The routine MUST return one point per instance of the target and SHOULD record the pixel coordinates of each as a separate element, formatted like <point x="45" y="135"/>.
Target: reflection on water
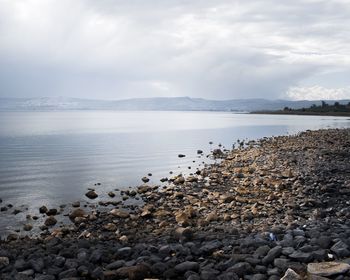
<point x="53" y="157"/>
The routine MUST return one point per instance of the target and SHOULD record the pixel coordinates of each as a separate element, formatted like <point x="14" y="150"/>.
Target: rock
<point x="145" y="179"/>
<point x="44" y="277"/>
<point x="37" y="264"/>
<point x="262" y="251"/>
<point x="21" y="264"/>
<point x="50" y="221"/>
<point x="291" y="275"/>
<point x="182" y="219"/>
<point x="91" y="194"/>
<point x="51" y="212"/>
<point x="111" y="194"/>
<point x="77" y="213"/>
<point x="12" y="237"/>
<point x="187" y="266"/>
<point x="110" y="227"/>
<point x="324" y="242"/>
<point x="27" y="227"/>
<point x="241" y="269"/>
<point x="137" y="272"/>
<point x="258" y="277"/>
<point x="183" y="234"/>
<point x="4" y="261"/>
<point x="272" y="254"/>
<point x="76" y="204"/>
<point x="226" y="198"/>
<point x="281" y="263"/>
<point x="120" y="213"/>
<point x="217" y="153"/>
<point x="340" y="249"/>
<point x="70" y="273"/>
<point x="327" y="268"/>
<point x="301" y="256"/>
<point x="43" y="209"/>
<point x="212" y="217"/>
<point x="179" y="180"/>
<point x="115" y="265"/>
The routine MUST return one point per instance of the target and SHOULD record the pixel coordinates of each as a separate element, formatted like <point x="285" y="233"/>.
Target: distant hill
<point x="154" y="104"/>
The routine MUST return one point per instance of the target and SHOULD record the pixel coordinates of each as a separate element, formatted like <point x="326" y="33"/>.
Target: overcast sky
<point x="117" y="49"/>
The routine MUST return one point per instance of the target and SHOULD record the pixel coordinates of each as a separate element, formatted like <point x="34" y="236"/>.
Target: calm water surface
<point x="53" y="157"/>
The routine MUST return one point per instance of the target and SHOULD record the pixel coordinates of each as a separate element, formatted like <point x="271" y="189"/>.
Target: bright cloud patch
<point x="318" y="93"/>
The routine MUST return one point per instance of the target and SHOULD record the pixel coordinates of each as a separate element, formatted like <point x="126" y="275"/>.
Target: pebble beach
<point x="276" y="208"/>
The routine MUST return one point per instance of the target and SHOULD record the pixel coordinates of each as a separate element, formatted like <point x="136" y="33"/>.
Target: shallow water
<point x="52" y="158"/>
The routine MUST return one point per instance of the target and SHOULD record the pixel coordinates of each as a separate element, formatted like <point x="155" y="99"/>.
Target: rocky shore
<point x="277" y="208"/>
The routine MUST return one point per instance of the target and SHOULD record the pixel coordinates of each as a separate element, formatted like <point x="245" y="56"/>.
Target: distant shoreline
<point x="330" y="114"/>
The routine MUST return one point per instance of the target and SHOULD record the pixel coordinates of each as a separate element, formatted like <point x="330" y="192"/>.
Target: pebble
<point x="91" y="194"/>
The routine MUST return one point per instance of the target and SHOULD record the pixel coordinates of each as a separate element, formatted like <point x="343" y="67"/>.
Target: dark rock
<point x="137" y="272"/>
<point x="4" y="261"/>
<point x="27" y="227"/>
<point x="208" y="274"/>
<point x="43" y="209"/>
<point x="187" y="266"/>
<point x="272" y="254"/>
<point x="91" y="194"/>
<point x="159" y="268"/>
<point x="301" y="256"/>
<point x="211" y="246"/>
<point x="281" y="263"/>
<point x="340" y="249"/>
<point x="68" y="273"/>
<point x="241" y="269"/>
<point x="44" y="277"/>
<point x="145" y="179"/>
<point x="115" y="265"/>
<point x="76" y="204"/>
<point x="228" y="276"/>
<point x="50" y="221"/>
<point x="183" y="234"/>
<point x="324" y="242"/>
<point x="12" y="237"/>
<point x="262" y="251"/>
<point x="95" y="256"/>
<point x="77" y="213"/>
<point x="97" y="273"/>
<point x="258" y="277"/>
<point x="21" y="264"/>
<point x="37" y="264"/>
<point x="51" y="212"/>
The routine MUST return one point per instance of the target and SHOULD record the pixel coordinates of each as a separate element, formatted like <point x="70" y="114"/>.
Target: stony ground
<point x="274" y="208"/>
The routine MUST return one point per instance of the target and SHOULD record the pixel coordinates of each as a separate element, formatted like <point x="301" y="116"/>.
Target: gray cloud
<point x="213" y="49"/>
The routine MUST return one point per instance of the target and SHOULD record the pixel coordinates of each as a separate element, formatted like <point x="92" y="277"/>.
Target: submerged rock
<point x="50" y="221"/>
<point x="91" y="194"/>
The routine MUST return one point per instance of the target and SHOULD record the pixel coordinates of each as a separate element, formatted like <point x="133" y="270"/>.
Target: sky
<point x="117" y="49"/>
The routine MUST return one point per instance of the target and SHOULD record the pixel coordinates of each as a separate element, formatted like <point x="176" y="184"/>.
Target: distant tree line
<point x="323" y="108"/>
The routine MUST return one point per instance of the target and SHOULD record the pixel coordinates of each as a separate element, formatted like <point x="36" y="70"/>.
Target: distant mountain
<point x="153" y="104"/>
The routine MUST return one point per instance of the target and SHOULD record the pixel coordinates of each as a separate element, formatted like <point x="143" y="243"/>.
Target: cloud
<point x="318" y="93"/>
<point x="215" y="49"/>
